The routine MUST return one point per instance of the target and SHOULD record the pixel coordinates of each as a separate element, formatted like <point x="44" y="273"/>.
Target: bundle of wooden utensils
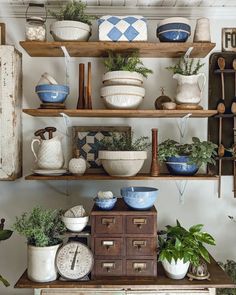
<point x="49" y="130"/>
<point x="84" y="99"/>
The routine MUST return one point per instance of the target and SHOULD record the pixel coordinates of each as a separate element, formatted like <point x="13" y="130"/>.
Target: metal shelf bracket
<point x="181" y="186"/>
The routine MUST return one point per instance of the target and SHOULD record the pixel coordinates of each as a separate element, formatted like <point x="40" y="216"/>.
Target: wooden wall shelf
<point x="121" y="113"/>
<point x="108" y="177"/>
<point x="99" y="49"/>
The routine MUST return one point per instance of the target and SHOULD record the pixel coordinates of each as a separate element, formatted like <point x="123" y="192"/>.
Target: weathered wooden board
<point x="10" y="113"/>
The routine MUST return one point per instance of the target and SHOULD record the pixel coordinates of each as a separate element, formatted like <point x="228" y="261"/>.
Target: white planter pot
<point x="41" y="263"/>
<point x="67" y="30"/>
<point x="122" y="163"/>
<point x="176" y="270"/>
<point x="122" y="96"/>
<point x="122" y="78"/>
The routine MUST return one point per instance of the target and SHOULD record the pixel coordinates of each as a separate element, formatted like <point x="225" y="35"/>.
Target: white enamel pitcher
<point x="189" y="90"/>
<point x="50" y="155"/>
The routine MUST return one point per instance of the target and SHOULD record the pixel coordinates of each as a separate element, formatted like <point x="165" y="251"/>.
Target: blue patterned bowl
<point x="105" y="204"/>
<point x="139" y="198"/>
<point x="52" y="93"/>
<point x="179" y="166"/>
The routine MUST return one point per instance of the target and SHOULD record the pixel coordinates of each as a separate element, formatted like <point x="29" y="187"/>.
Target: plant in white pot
<point x="72" y="24"/>
<point x="42" y="228"/>
<point x="186" y="72"/>
<point x="123" y="156"/>
<point x="123" y="81"/>
<point x="180" y="247"/>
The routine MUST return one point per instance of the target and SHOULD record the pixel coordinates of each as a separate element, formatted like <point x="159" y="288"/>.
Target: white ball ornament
<point x="77" y="166"/>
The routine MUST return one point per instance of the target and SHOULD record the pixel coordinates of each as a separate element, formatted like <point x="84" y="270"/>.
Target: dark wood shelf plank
<point x="108" y="177"/>
<point x="120" y="113"/>
<point x="99" y="48"/>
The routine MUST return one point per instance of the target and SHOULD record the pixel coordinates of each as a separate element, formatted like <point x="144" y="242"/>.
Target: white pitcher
<point x="189" y="90"/>
<point x="50" y="155"/>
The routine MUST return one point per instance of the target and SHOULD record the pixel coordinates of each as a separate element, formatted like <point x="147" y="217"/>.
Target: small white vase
<point x="41" y="263"/>
<point x="176" y="270"/>
<point x="77" y="166"/>
<point x="202" y="31"/>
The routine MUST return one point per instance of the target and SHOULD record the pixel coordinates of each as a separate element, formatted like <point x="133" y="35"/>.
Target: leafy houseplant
<point x="186" y="67"/>
<point x="230" y="268"/>
<point x="122" y="155"/>
<point x="186" y="158"/>
<point x="72" y="22"/>
<point x="183" y="246"/>
<point x="42" y="229"/>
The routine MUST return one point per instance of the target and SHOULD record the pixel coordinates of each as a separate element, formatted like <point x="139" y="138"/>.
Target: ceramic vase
<point x="202" y="31"/>
<point x="77" y="166"/>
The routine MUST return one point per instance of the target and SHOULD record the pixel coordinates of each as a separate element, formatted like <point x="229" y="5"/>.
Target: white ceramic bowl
<point x="70" y="31"/>
<point x="122" y="78"/>
<point x="122" y="163"/>
<point x="75" y="224"/>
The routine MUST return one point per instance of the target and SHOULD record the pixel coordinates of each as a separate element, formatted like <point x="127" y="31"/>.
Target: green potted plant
<point x="180" y="247"/>
<point x="72" y="24"/>
<point x="186" y="72"/>
<point x="186" y="159"/>
<point x="42" y="229"/>
<point x="123" y="80"/>
<point x="123" y="155"/>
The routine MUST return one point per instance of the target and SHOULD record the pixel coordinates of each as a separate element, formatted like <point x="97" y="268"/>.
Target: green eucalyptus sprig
<point x="186" y="67"/>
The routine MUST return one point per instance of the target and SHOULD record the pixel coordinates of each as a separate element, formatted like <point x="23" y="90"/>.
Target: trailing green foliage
<point x="73" y="10"/>
<point x="181" y="243"/>
<point x="199" y="152"/>
<point x="124" y="142"/>
<point x="230" y="268"/>
<point x="186" y="67"/>
<point x="131" y="63"/>
<point x="41" y="227"/>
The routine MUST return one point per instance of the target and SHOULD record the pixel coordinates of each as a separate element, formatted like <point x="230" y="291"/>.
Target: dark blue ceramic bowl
<point x="179" y="166"/>
<point x="174" y="32"/>
<point x="138" y="197"/>
<point x="52" y="93"/>
<point x="105" y="204"/>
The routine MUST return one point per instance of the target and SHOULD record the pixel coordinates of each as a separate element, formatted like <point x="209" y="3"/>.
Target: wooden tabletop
<point x="219" y="279"/>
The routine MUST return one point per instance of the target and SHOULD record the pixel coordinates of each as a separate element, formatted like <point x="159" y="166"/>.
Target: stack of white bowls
<point x="122" y="90"/>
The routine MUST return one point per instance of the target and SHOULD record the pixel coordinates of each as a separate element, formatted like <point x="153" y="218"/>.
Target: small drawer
<point x="107" y="267"/>
<point x="108" y="224"/>
<point x="141" y="246"/>
<point x="108" y="246"/>
<point x="140" y="224"/>
<point x="138" y="267"/>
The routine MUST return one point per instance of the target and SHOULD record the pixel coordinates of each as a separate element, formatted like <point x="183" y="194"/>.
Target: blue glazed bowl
<point x="52" y="93"/>
<point x="179" y="166"/>
<point x="105" y="204"/>
<point x="174" y="30"/>
<point x="139" y="198"/>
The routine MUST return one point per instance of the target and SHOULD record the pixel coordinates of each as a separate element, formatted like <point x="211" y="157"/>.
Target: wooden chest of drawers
<point x="124" y="241"/>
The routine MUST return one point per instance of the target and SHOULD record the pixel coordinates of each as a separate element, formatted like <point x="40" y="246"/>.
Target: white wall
<point x="201" y="202"/>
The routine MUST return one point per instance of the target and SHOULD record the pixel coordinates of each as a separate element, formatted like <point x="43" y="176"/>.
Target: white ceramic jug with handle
<point x="49" y="155"/>
<point x="189" y="90"/>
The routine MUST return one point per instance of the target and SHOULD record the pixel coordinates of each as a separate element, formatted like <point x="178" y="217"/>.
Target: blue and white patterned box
<point x="122" y="28"/>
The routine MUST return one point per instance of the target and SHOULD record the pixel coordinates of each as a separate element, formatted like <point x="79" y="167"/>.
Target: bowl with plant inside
<point x="105" y="200"/>
<point x="122" y="155"/>
<point x="72" y="24"/>
<point x="186" y="159"/>
<point x="43" y="229"/>
<point x="180" y="247"/>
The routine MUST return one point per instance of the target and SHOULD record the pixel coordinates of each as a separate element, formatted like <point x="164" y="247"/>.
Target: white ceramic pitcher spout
<point x="50" y="154"/>
<point x="189" y="88"/>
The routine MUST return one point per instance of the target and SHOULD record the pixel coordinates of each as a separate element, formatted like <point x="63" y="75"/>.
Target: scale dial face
<point x="74" y="260"/>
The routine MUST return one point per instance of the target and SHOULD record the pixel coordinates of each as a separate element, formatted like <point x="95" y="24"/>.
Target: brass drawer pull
<point x="139" y="244"/>
<point x="139" y="222"/>
<point x="139" y="266"/>
<point x="108" y="266"/>
<point x="108" y="221"/>
<point x="108" y="244"/>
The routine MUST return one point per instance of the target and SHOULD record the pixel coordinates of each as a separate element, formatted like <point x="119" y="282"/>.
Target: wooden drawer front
<point x="109" y="224"/>
<point x="140" y="224"/>
<point x="107" y="267"/>
<point x="108" y="246"/>
<point x="139" y="267"/>
<point x="141" y="246"/>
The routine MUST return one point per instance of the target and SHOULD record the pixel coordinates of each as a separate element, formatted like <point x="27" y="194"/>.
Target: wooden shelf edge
<point x="108" y="177"/>
<point x="120" y="113"/>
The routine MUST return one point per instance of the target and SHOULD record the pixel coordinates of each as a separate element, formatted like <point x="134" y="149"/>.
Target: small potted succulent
<point x="72" y="23"/>
<point x="123" y="81"/>
<point x="122" y="155"/>
<point x="180" y="247"/>
<point x="42" y="228"/>
<point x="186" y="72"/>
<point x="186" y="159"/>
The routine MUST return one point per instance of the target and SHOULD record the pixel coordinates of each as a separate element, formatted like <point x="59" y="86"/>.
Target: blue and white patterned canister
<point x="122" y="28"/>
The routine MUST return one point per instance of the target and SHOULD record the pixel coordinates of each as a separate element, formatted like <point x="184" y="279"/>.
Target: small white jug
<point x="50" y="155"/>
